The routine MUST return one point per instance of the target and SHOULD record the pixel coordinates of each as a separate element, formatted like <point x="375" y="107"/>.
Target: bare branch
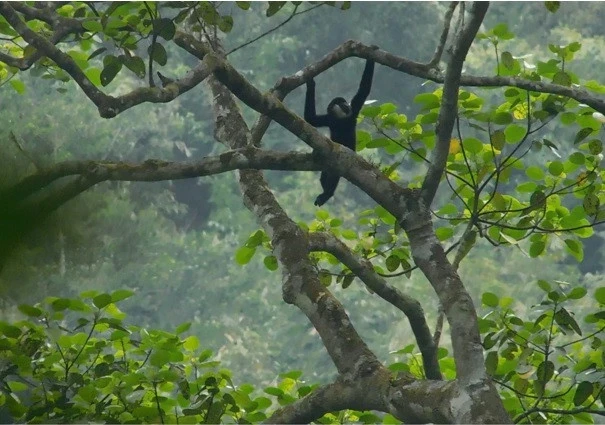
<point x="157" y="170"/>
<point x="406" y="304"/>
<point x="278" y="26"/>
<point x="446" y="29"/>
<point x="449" y="102"/>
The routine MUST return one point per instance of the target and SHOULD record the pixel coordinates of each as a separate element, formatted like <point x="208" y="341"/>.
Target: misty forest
<point x="295" y="212"/>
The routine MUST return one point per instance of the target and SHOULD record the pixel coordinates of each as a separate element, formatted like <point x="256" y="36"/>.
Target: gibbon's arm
<point x="310" y="116"/>
<point x="364" y="88"/>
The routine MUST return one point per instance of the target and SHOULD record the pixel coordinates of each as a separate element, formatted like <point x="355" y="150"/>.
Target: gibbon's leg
<point x="329" y="181"/>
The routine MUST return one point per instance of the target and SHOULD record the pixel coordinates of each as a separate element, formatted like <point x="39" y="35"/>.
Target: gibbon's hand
<point x="311" y="83"/>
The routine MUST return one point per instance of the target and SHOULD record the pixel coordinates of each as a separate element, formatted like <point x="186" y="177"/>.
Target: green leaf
<point x="159" y="357"/>
<point x="502" y="118"/>
<point x="544" y="285"/>
<point x="444" y="233"/>
<point x="225" y="24"/>
<point x="274" y="7"/>
<point x="183" y="327"/>
<point x="536" y="248"/>
<point x="370" y="111"/>
<point x="575" y="248"/>
<point x="158" y="53"/>
<point x="244" y="254"/>
<point x="18" y="85"/>
<point x="270" y="262"/>
<point x="29" y="310"/>
<point x="191" y="343"/>
<point x="244" y="5"/>
<point x="111" y="66"/>
<point x="121" y="294"/>
<point x="274" y="391"/>
<point x="545" y="371"/>
<point x="535" y="173"/>
<point x="490" y="299"/>
<point x="514" y="133"/>
<point x="498" y="139"/>
<point x="93" y="26"/>
<point x="577" y="293"/>
<point x="552" y="6"/>
<point x="562" y="78"/>
<point x="599" y="295"/>
<point x="507" y="60"/>
<point x="9" y="330"/>
<point x="61" y="304"/>
<point x="591" y="204"/>
<point x="392" y="263"/>
<point x="582" y="134"/>
<point x="491" y="362"/>
<point x="101" y="300"/>
<point x="556" y="168"/>
<point x="583" y="391"/>
<point x="136" y="65"/>
<point x="428" y="101"/>
<point x="347" y="280"/>
<point x="97" y="52"/>
<point x="566" y="320"/>
<point x="325" y="277"/>
<point x="472" y="145"/>
<point x="165" y="28"/>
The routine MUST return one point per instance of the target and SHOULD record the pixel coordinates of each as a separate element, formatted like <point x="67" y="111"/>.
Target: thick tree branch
<point x="157" y="170"/>
<point x="449" y="102"/>
<point x="300" y="282"/>
<point x="409" y="306"/>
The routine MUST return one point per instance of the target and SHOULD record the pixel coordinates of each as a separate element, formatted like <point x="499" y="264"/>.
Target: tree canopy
<point x="484" y="144"/>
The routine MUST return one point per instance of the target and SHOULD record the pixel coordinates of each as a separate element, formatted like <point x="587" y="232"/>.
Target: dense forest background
<point x="174" y="243"/>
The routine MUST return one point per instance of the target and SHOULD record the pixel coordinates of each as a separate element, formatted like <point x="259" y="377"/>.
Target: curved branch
<point x="409" y="306"/>
<point x="108" y="106"/>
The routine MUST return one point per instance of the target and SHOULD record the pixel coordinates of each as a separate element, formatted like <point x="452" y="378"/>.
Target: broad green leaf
<point x="555" y="168"/>
<point x="514" y="133"/>
<point x="121" y="294"/>
<point x="18" y="85"/>
<point x="490" y="299"/>
<point x="583" y="391"/>
<point x="270" y="262"/>
<point x="535" y="173"/>
<point x="392" y="263"/>
<point x="552" y="6"/>
<point x="444" y="233"/>
<point x="102" y="300"/>
<point x="29" y="310"/>
<point x="575" y="248"/>
<point x="244" y="254"/>
<point x="599" y="295"/>
<point x="472" y="145"/>
<point x="577" y="293"/>
<point x="566" y="320"/>
<point x="158" y="53"/>
<point x="536" y="248"/>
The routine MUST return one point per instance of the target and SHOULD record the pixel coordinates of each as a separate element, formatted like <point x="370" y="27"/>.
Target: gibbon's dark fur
<point x="342" y="120"/>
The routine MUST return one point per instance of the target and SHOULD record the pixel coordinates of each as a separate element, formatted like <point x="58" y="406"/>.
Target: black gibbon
<point x="342" y="120"/>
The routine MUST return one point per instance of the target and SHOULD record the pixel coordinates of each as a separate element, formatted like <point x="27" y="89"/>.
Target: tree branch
<point x="157" y="170"/>
<point x="322" y="241"/>
<point x="449" y="103"/>
<point x="446" y="29"/>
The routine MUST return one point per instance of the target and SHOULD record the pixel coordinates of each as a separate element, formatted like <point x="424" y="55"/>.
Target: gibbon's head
<point x="339" y="108"/>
